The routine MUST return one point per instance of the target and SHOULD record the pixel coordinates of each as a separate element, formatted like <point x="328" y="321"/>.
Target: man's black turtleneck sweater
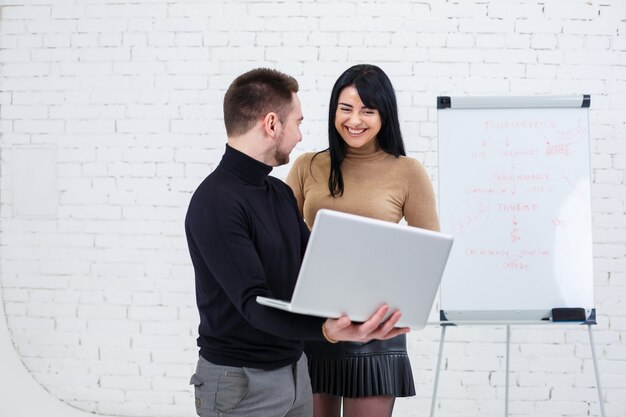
<point x="246" y="238"/>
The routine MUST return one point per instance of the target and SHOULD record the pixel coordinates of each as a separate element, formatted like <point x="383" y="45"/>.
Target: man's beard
<point x="280" y="156"/>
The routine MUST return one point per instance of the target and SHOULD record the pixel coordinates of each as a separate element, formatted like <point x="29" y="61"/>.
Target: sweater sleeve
<point x="226" y="247"/>
<point x="420" y="209"/>
<point x="295" y="180"/>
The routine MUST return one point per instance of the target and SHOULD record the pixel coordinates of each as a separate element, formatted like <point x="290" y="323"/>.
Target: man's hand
<point x="342" y="329"/>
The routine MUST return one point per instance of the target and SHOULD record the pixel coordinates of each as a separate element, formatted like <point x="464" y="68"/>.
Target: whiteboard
<point x="514" y="191"/>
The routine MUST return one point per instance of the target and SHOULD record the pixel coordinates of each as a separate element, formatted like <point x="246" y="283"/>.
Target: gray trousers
<point x="238" y="392"/>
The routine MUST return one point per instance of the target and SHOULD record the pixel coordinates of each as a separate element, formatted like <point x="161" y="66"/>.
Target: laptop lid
<point x="354" y="264"/>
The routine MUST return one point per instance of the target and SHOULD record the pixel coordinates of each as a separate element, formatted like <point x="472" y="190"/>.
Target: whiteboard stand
<point x="597" y="372"/>
<point x="508" y="362"/>
<point x="515" y="192"/>
<point x="444" y="324"/>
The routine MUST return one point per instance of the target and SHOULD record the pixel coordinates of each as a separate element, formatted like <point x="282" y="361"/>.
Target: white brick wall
<point x="100" y="299"/>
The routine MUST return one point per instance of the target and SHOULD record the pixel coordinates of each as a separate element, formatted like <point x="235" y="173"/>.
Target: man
<point x="246" y="238"/>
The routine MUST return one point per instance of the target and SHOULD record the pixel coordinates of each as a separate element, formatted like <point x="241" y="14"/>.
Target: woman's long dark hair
<point x="376" y="92"/>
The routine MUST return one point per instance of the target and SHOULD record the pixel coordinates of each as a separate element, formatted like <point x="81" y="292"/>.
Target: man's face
<point x="289" y="134"/>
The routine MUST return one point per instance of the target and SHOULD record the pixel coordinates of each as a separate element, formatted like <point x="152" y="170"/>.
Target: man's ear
<point x="270" y="123"/>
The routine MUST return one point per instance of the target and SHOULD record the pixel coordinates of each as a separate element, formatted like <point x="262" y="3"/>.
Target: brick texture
<point x="100" y="299"/>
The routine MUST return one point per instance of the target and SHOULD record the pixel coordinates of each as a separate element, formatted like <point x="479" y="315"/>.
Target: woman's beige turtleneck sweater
<point x="376" y="185"/>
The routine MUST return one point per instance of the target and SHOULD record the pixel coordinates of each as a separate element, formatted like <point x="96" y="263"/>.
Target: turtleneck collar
<point x="367" y="153"/>
<point x="244" y="167"/>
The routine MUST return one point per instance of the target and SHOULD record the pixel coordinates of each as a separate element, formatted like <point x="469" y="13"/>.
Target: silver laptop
<point x="354" y="264"/>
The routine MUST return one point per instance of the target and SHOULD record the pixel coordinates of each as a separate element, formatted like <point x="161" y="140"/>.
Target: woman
<point x="364" y="171"/>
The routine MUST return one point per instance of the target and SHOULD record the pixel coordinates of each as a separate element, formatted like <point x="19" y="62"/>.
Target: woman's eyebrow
<point x="364" y="107"/>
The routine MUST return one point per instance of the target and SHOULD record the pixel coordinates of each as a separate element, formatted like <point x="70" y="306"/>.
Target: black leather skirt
<point x="346" y="369"/>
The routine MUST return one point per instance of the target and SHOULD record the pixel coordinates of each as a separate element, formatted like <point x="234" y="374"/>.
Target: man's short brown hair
<point x="254" y="94"/>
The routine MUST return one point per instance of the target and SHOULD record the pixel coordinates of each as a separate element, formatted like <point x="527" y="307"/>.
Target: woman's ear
<point x="270" y="123"/>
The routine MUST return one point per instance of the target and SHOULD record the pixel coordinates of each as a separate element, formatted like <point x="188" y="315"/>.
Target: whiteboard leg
<point x="595" y="368"/>
<point x="434" y="400"/>
<point x="508" y="360"/>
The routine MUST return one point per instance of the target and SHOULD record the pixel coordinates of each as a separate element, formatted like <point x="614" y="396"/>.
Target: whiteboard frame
<point x="513" y="102"/>
<point x="504" y="317"/>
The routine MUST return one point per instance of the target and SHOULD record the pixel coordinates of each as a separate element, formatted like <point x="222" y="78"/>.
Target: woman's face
<point x="357" y="124"/>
